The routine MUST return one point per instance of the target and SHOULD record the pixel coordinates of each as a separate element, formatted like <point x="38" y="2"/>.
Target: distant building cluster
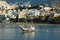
<point x="26" y="11"/>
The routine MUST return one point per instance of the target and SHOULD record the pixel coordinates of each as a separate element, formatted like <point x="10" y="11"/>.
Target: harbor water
<point x="42" y="32"/>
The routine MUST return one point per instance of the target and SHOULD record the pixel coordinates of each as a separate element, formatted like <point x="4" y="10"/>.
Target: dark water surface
<point x="42" y="32"/>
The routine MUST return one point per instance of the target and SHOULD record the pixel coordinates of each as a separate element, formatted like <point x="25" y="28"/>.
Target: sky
<point x="33" y="2"/>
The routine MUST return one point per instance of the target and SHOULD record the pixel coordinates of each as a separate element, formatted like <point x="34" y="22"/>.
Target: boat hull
<point x="28" y="31"/>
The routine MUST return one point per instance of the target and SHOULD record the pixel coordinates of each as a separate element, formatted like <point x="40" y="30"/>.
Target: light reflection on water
<point x="42" y="32"/>
<point x="28" y="35"/>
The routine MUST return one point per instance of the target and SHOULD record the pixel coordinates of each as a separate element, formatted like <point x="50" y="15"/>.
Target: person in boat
<point x="31" y="28"/>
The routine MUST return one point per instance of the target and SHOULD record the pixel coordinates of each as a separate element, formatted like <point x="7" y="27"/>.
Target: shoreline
<point x="23" y="23"/>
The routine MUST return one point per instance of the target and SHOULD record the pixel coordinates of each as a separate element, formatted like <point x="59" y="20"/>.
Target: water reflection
<point x="29" y="35"/>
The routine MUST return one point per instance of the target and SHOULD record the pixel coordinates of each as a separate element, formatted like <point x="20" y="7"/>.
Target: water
<point x="42" y="32"/>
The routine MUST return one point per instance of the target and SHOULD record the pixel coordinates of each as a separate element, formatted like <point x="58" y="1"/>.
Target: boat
<point x="27" y="29"/>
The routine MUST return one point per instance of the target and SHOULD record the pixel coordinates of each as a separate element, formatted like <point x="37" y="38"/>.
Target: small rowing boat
<point x="26" y="29"/>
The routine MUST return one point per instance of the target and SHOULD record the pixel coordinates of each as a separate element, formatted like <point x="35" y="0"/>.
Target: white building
<point x="13" y="6"/>
<point x="34" y="12"/>
<point x="47" y="8"/>
<point x="5" y="5"/>
<point x="11" y="14"/>
<point x="22" y="13"/>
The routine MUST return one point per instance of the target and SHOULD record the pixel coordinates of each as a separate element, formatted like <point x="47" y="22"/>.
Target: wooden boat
<point x="30" y="29"/>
